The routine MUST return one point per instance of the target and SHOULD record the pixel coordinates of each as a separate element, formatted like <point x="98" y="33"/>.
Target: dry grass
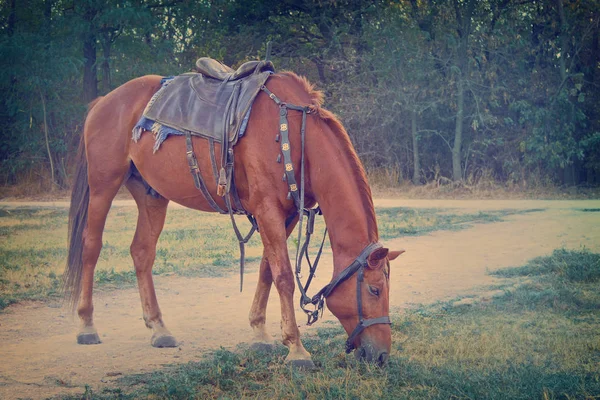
<point x="33" y="249"/>
<point x="33" y="245"/>
<point x="387" y="184"/>
<point x="384" y="183"/>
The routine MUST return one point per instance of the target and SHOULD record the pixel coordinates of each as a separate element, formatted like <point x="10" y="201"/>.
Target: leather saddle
<point x="214" y="69"/>
<point x="212" y="103"/>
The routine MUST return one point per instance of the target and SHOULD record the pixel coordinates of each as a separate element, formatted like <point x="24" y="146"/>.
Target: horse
<point x="335" y="179"/>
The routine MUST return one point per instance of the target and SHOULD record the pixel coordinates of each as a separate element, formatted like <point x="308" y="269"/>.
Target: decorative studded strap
<point x="286" y="148"/>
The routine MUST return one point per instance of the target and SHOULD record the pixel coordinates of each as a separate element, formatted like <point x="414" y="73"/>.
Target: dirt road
<point x="40" y="357"/>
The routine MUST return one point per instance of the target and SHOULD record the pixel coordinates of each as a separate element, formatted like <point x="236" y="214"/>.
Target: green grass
<point x="400" y="221"/>
<point x="574" y="266"/>
<point x="33" y="249"/>
<point x="33" y="244"/>
<point x="518" y="345"/>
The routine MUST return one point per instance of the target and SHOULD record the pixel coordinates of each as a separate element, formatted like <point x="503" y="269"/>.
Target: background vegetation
<point x="430" y="90"/>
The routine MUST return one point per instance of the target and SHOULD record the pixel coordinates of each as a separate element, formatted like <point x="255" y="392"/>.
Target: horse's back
<point x="109" y="123"/>
<point x="124" y="105"/>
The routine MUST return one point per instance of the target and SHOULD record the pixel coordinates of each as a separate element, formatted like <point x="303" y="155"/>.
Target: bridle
<point x="318" y="300"/>
<point x="358" y="265"/>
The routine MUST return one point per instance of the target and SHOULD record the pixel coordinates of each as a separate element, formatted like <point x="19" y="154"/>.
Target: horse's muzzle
<point x="371" y="355"/>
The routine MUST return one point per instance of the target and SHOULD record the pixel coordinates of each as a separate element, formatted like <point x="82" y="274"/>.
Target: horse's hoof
<point x="305" y="365"/>
<point x="88" y="338"/>
<point x="164" y="341"/>
<point x="262" y="347"/>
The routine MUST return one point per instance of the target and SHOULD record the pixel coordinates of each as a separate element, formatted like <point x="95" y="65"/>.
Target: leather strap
<point x="286" y="148"/>
<point x="362" y="325"/>
<point x="197" y="175"/>
<point x="213" y="159"/>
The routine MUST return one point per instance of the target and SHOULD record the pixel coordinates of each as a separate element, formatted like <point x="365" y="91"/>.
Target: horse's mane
<point x="316" y="106"/>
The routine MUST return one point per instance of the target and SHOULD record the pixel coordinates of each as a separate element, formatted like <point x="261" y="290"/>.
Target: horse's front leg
<point x="258" y="312"/>
<point x="274" y="238"/>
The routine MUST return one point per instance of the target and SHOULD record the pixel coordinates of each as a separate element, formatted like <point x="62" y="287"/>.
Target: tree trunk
<point x="563" y="40"/>
<point x="458" y="132"/>
<point x="48" y="141"/>
<point x="12" y="17"/>
<point x="90" y="70"/>
<point x="568" y="171"/>
<point x="320" y="68"/>
<point x="415" y="142"/>
<point x="48" y="12"/>
<point x="106" y="81"/>
<point x="464" y="12"/>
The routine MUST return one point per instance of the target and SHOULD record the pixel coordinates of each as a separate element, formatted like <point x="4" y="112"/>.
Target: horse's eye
<point x="373" y="290"/>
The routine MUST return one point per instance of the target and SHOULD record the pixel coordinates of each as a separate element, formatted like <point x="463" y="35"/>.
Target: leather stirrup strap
<point x="197" y="175"/>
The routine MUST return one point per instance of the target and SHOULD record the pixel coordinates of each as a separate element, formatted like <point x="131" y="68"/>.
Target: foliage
<point x="504" y="86"/>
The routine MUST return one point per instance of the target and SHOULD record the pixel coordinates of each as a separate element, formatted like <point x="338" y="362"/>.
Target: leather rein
<point x="356" y="267"/>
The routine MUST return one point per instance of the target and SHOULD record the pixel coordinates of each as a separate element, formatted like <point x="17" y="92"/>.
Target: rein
<point x="357" y="266"/>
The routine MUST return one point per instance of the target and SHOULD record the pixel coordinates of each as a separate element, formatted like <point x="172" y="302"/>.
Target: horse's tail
<point x="78" y="212"/>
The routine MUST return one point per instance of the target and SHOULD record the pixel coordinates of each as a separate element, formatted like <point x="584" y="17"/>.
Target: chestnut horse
<point x="334" y="178"/>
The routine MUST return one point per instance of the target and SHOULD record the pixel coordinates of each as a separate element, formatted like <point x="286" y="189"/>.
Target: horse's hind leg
<point x="102" y="193"/>
<point x="262" y="339"/>
<point x="151" y="219"/>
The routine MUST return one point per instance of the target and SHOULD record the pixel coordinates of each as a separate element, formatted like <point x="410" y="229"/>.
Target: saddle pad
<point x="204" y="106"/>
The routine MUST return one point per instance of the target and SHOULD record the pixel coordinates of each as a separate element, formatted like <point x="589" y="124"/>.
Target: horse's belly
<point x="167" y="171"/>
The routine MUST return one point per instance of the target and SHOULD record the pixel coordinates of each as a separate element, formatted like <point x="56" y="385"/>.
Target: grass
<point x="33" y="249"/>
<point x="33" y="245"/>
<point x="573" y="266"/>
<point x="399" y="221"/>
<point x="517" y="345"/>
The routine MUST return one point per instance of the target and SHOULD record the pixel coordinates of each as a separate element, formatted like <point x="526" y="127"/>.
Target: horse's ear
<point x="374" y="259"/>
<point x="392" y="255"/>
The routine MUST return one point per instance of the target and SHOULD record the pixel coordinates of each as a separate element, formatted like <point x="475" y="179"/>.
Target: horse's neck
<point x="340" y="187"/>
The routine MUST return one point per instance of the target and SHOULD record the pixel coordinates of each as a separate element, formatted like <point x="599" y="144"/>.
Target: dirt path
<point x="40" y="357"/>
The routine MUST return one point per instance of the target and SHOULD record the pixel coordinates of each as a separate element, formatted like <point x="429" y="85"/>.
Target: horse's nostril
<point x="383" y="358"/>
<point x="361" y="353"/>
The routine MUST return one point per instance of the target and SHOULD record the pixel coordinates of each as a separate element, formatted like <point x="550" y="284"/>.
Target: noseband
<point x="318" y="300"/>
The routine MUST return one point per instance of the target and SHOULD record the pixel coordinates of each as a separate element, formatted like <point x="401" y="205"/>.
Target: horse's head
<point x="362" y="306"/>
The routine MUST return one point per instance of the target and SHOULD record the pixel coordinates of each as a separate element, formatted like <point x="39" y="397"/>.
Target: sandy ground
<point x="40" y="358"/>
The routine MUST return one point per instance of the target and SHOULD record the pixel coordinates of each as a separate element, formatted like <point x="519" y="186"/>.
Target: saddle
<point x="214" y="69"/>
<point x="212" y="103"/>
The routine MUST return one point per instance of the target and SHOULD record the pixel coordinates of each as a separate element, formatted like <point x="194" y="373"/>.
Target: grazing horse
<point x="334" y="178"/>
